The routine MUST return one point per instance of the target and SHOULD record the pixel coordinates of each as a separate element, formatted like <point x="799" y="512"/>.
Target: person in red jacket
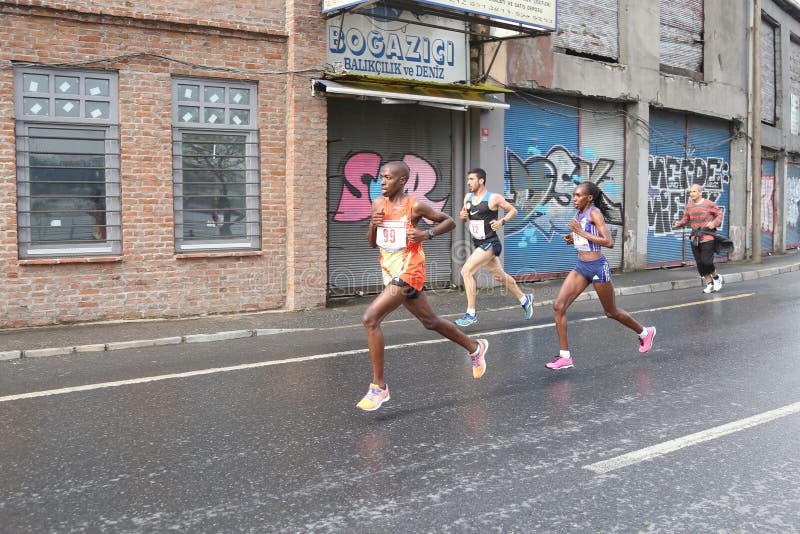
<point x="704" y="216"/>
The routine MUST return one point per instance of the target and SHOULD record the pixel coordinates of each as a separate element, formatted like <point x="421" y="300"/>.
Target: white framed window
<point x="68" y="185"/>
<point x="216" y="165"/>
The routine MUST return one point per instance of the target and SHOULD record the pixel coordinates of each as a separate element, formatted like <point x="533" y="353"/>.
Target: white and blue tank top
<point x="581" y="243"/>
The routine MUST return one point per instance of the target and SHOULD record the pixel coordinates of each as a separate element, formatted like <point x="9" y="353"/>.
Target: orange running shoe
<point x="374" y="398"/>
<point x="479" y="359"/>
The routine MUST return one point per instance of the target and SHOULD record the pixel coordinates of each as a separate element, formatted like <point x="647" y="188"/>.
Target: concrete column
<point x="738" y="197"/>
<point x="637" y="150"/>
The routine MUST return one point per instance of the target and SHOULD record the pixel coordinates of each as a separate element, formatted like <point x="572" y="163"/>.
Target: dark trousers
<point x="704" y="257"/>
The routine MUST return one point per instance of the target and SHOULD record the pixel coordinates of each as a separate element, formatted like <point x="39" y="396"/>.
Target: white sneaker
<point x="717" y="283"/>
<point x="709" y="288"/>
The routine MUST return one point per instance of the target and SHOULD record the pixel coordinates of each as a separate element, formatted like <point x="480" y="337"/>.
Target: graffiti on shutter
<point x="550" y="147"/>
<point x="768" y="210"/>
<point x="792" y="194"/>
<point x="684" y="150"/>
<point x="363" y="136"/>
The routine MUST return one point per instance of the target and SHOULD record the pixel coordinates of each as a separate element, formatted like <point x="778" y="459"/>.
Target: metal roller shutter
<point x="362" y="136"/>
<point x="767" y="72"/>
<point x="589" y="27"/>
<point x="602" y="152"/>
<point x="794" y="86"/>
<point x="550" y="146"/>
<point x="681" y="43"/>
<point x="683" y="150"/>
<point x="768" y="208"/>
<point x="709" y="152"/>
<point x="792" y="205"/>
<point x="666" y="191"/>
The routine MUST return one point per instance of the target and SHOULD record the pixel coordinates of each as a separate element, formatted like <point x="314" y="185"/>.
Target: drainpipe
<point x="756" y="190"/>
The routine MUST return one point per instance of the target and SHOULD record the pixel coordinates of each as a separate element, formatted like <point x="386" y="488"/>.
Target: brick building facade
<point x="171" y="91"/>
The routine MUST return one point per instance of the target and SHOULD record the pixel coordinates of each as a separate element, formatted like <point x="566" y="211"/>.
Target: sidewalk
<point x="108" y="336"/>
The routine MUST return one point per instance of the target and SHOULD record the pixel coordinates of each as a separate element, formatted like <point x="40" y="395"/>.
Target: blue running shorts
<point x="595" y="271"/>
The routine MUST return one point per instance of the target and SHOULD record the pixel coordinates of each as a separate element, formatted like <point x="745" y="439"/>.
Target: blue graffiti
<point x="541" y="187"/>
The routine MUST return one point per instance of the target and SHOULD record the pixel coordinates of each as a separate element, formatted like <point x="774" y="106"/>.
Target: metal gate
<point x="551" y="145"/>
<point x="362" y="136"/>
<point x="683" y="150"/>
<point x="792" y="204"/>
<point x="768" y="209"/>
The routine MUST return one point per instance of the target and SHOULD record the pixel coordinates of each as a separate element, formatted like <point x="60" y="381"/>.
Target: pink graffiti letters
<point x="361" y="184"/>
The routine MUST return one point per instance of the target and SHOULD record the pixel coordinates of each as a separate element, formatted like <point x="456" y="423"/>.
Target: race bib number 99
<point x="391" y="235"/>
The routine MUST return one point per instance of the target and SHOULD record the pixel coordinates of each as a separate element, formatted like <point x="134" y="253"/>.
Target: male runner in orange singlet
<point x="393" y="229"/>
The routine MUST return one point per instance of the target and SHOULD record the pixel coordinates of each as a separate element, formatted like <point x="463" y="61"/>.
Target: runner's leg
<point x="573" y="285"/>
<point x="476" y="260"/>
<point x="496" y="269"/>
<point x="605" y="292"/>
<point x="421" y="308"/>
<point x="386" y="302"/>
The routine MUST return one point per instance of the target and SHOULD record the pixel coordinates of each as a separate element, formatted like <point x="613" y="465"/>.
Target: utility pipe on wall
<point x="756" y="140"/>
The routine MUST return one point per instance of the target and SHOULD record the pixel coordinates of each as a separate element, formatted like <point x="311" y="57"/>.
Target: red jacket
<point x="700" y="214"/>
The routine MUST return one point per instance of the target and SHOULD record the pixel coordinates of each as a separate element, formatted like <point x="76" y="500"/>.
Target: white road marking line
<point x="648" y="453"/>
<point x="512" y="307"/>
<point x="158" y="378"/>
<point x="299" y="359"/>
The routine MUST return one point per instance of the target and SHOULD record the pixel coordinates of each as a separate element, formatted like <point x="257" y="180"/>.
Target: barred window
<point x="216" y="166"/>
<point x="68" y="185"/>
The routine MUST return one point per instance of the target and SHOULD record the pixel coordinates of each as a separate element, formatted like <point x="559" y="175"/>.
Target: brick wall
<point x="267" y="16"/>
<point x="306" y="154"/>
<point x="255" y="41"/>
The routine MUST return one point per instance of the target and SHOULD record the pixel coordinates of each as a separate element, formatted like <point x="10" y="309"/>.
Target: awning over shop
<point x="448" y="96"/>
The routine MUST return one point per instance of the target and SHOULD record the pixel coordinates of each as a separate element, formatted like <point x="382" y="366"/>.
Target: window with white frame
<point x="216" y="166"/>
<point x="68" y="186"/>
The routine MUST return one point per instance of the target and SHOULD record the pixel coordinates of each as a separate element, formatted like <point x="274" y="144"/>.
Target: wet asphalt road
<point x="276" y="445"/>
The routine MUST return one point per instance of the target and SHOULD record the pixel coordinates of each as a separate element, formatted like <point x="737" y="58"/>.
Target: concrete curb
<point x="655" y="287"/>
<point x="143" y="343"/>
<point x="10" y="355"/>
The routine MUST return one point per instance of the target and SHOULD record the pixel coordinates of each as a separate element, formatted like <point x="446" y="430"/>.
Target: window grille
<point x="68" y="185"/>
<point x="216" y="166"/>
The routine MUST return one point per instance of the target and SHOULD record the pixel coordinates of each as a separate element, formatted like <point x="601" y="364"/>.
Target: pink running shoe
<point x="559" y="362"/>
<point x="646" y="343"/>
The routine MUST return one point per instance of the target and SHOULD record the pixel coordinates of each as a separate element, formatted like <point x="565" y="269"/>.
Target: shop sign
<point x="538" y="13"/>
<point x="359" y="44"/>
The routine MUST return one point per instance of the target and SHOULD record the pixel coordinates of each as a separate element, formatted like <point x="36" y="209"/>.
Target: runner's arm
<point x="497" y="201"/>
<point x="604" y="239"/>
<point x="464" y="214"/>
<point x="375" y="220"/>
<point x="443" y="223"/>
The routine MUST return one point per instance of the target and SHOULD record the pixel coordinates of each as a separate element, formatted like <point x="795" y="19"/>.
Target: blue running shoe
<point x="528" y="307"/>
<point x="467" y="320"/>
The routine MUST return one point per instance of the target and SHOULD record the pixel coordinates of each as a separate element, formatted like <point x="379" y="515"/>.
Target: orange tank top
<point x="406" y="263"/>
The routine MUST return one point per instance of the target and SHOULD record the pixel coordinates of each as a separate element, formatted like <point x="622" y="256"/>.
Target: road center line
<point x="649" y="453"/>
<point x="300" y="359"/>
